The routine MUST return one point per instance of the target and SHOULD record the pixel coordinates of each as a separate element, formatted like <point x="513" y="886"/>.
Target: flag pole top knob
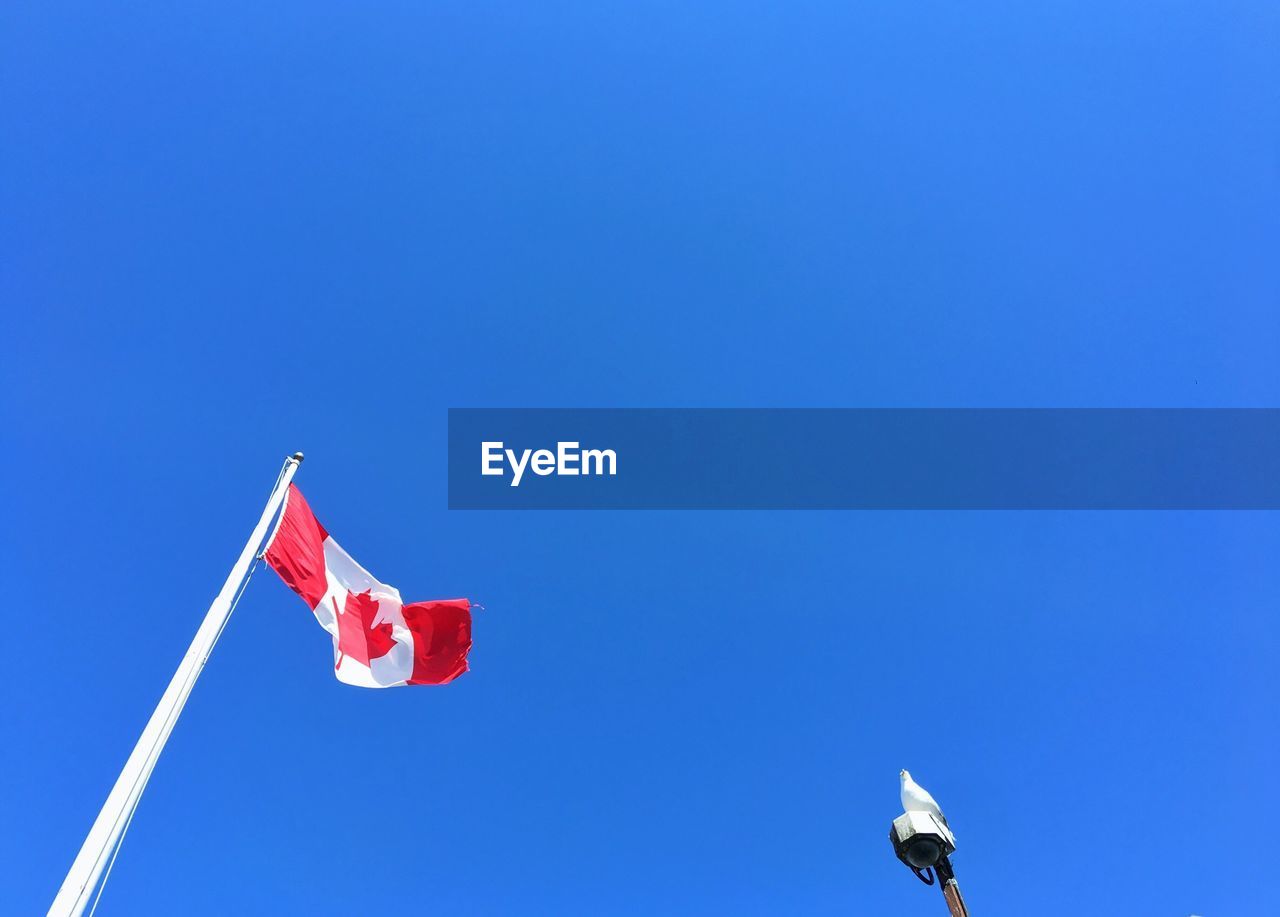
<point x="297" y="457"/>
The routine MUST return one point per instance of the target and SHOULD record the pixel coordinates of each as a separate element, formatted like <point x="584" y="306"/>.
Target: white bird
<point x="916" y="798"/>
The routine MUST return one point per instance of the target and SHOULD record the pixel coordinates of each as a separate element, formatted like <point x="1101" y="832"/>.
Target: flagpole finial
<point x="297" y="457"/>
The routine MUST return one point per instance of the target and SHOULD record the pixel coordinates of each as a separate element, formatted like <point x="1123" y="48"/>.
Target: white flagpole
<point x="96" y="852"/>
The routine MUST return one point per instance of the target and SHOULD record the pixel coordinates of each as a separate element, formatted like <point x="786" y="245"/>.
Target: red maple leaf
<point x="358" y="636"/>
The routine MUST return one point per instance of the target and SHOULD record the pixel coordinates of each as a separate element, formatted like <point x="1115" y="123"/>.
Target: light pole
<point x="924" y="842"/>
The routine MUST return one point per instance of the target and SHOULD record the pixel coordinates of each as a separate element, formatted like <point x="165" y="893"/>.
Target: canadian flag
<point x="378" y="641"/>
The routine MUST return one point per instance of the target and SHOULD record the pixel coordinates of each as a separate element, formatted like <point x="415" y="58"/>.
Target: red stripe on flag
<point x="297" y="550"/>
<point x="441" y="639"/>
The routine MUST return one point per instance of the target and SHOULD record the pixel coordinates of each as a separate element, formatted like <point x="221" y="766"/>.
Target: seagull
<point x="916" y="798"/>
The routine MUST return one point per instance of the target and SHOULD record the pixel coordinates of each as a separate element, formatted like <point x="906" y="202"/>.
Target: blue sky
<point x="231" y="232"/>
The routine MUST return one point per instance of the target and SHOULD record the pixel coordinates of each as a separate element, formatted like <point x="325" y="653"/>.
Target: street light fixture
<point x="923" y="842"/>
<point x="920" y="840"/>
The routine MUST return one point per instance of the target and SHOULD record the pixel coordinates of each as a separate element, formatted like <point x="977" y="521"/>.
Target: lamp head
<point x="920" y="840"/>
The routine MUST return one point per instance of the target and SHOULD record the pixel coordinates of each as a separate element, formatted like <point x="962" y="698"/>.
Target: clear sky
<point x="232" y="230"/>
